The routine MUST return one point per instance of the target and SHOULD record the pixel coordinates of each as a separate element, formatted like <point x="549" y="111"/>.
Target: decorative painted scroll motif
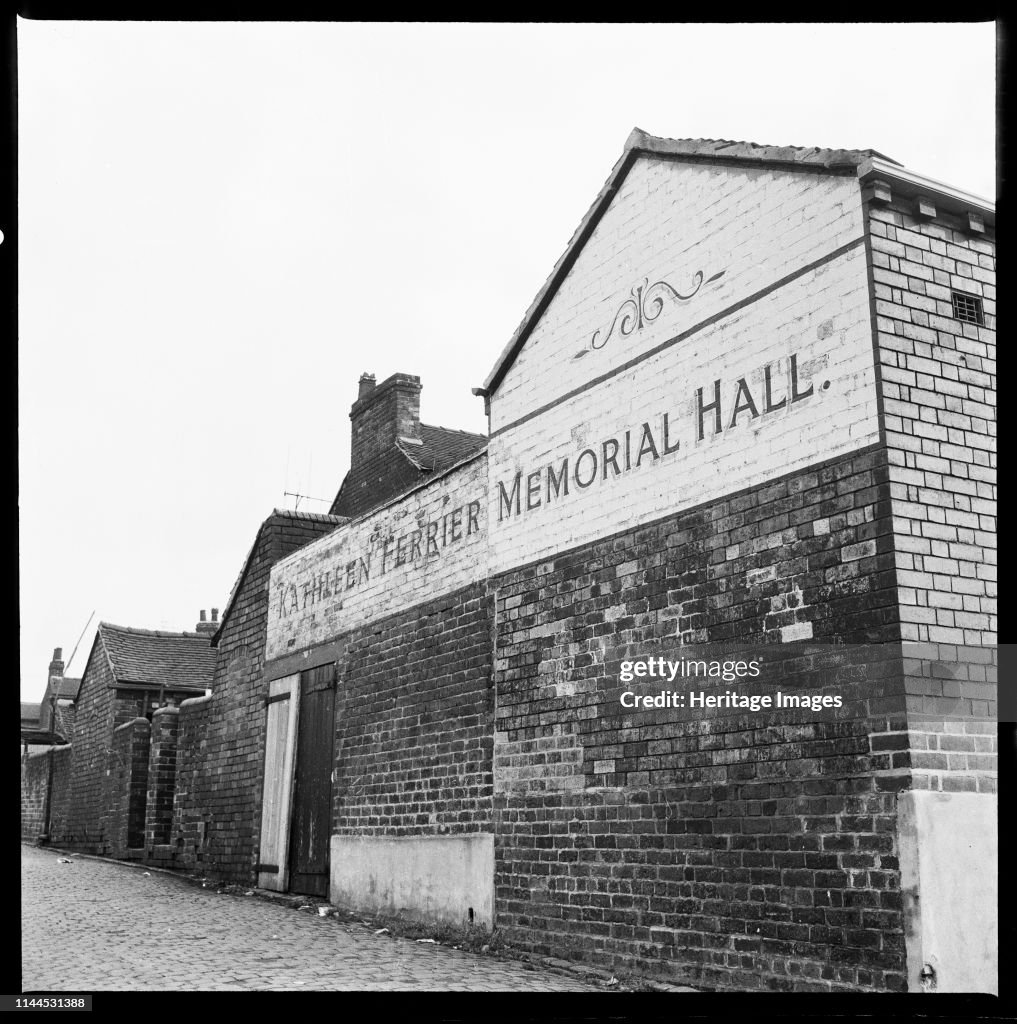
<point x="645" y="305"/>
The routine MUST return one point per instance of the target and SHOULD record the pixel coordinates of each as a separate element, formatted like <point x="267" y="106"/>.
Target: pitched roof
<point x="833" y="161"/>
<point x="30" y="712"/>
<point x="68" y="688"/>
<point x="715" y="150"/>
<point x="311" y="524"/>
<point x="443" y="447"/>
<point x="157" y="658"/>
<point x="404" y="466"/>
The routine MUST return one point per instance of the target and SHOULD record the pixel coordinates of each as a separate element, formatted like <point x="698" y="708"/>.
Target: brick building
<point x="751" y="409"/>
<point x="750" y="414"/>
<point x="100" y="800"/>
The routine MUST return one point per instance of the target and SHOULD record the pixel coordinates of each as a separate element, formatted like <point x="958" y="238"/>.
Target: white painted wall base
<point x="948" y="862"/>
<point x="433" y="877"/>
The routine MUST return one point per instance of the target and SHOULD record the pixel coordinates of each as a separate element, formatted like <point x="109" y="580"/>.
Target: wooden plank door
<point x="310" y="830"/>
<point x="280" y="742"/>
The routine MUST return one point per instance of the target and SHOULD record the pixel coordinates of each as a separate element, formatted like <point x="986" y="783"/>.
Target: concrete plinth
<point x="433" y="877"/>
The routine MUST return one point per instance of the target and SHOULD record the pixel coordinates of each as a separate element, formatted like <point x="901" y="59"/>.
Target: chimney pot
<point x="367" y="381"/>
<point x="215" y="614"/>
<point x="205" y="627"/>
<point x="58" y="653"/>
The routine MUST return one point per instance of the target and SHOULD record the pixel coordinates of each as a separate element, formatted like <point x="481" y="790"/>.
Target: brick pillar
<point x="162" y="774"/>
<point x="127" y="789"/>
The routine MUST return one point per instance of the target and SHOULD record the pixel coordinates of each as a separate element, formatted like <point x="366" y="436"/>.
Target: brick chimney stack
<point x="207" y="627"/>
<point x="382" y="413"/>
<point x="56" y="673"/>
<point x="56" y="666"/>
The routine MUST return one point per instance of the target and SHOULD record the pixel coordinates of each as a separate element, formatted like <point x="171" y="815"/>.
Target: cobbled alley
<point x="117" y="928"/>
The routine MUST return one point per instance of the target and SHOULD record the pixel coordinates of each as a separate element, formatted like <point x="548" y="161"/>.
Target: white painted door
<point x="280" y="743"/>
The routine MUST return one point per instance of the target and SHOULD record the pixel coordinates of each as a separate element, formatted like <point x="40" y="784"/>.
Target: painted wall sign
<point x="720" y="406"/>
<point x="431" y="542"/>
<point x="705" y="239"/>
<point x="759" y="364"/>
<point x="385" y="552"/>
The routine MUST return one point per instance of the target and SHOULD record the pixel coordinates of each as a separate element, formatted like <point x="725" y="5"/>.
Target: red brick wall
<point x="732" y="851"/>
<point x="221" y="745"/>
<point x="415" y="721"/>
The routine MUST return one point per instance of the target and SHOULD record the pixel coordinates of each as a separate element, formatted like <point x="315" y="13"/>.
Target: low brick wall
<point x="35" y="769"/>
<point x="48" y="769"/>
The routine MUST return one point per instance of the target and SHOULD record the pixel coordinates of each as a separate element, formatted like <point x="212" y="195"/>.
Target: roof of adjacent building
<point x="155" y="658"/>
<point x="815" y="158"/>
<point x="304" y="526"/>
<point x="68" y="688"/>
<point x="404" y="466"/>
<point x="30" y="712"/>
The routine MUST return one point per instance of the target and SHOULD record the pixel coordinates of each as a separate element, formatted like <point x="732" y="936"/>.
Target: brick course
<point x="939" y="387"/>
<point x="733" y="851"/>
<point x="415" y="719"/>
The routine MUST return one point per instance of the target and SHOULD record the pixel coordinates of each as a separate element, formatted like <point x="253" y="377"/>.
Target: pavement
<point x="93" y="925"/>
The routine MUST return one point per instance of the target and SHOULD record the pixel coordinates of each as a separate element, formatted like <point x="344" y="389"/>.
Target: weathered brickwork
<point x="221" y="743"/>
<point x="939" y="388"/>
<point x="48" y="768"/>
<point x="162" y="770"/>
<point x="432" y="541"/>
<point x="730" y="851"/>
<point x="35" y="770"/>
<point x="92" y="755"/>
<point x="415" y="721"/>
<point x="190" y="835"/>
<point x="126" y="790"/>
<point x="60" y="795"/>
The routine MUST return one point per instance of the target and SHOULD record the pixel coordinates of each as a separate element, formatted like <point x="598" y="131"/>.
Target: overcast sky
<point x="223" y="225"/>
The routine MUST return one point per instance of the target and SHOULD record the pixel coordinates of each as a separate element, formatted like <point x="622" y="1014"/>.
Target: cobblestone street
<point x="90" y="926"/>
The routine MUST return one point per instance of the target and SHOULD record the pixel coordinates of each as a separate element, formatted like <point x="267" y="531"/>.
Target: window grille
<point x="967" y="308"/>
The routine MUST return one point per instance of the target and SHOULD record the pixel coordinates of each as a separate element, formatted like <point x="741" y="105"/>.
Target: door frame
<point x="279" y="776"/>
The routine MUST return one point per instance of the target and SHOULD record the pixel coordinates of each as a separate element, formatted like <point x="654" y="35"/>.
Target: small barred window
<point x="967" y="308"/>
